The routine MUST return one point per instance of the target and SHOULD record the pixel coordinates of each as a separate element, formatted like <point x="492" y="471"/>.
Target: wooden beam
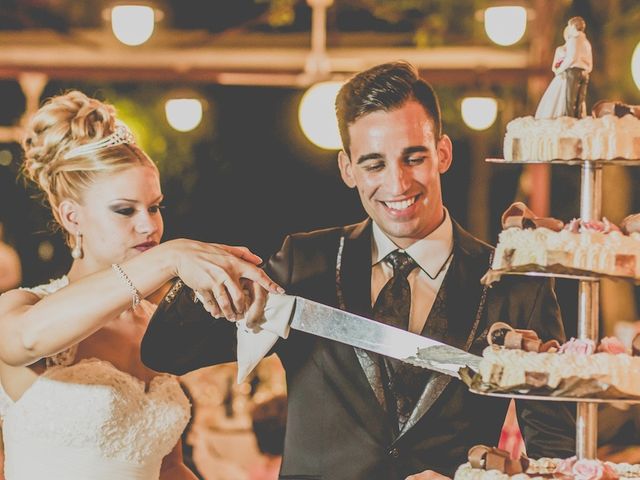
<point x="95" y="55"/>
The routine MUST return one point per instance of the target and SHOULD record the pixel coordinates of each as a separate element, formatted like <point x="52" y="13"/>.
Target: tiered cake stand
<point x="588" y="298"/>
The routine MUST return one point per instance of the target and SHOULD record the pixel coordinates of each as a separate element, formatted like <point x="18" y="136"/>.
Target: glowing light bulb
<point x="317" y="115"/>
<point x="132" y="24"/>
<point x="505" y="25"/>
<point x="635" y="65"/>
<point x="183" y="114"/>
<point x="479" y="113"/>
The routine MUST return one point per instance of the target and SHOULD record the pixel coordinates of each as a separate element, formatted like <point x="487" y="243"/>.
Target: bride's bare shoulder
<point x="27" y="297"/>
<point x="14" y="299"/>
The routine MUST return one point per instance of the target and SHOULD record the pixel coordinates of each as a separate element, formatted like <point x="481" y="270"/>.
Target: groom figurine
<point x="577" y="65"/>
<point x="353" y="415"/>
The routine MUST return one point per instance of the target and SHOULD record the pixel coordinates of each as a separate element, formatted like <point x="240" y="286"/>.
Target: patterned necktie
<point x="393" y="305"/>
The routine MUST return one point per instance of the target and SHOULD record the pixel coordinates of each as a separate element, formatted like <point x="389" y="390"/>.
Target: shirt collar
<point x="430" y="253"/>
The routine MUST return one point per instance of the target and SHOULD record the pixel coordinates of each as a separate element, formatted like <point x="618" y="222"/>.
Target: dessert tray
<point x="571" y="390"/>
<point x="575" y="161"/>
<point x="557" y="270"/>
<point x="549" y="398"/>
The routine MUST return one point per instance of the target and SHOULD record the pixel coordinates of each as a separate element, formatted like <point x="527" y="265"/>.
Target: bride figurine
<point x="553" y="103"/>
<point x="76" y="402"/>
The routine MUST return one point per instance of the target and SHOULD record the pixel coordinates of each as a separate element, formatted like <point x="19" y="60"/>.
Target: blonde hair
<point x="61" y="124"/>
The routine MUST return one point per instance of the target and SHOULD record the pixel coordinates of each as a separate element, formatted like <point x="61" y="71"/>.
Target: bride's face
<point x="120" y="216"/>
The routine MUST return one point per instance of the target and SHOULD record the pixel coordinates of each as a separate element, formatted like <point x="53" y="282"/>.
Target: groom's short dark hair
<point x="384" y="87"/>
<point x="578" y="23"/>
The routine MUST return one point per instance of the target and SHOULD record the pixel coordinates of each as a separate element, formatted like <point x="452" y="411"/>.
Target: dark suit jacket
<point x="337" y="428"/>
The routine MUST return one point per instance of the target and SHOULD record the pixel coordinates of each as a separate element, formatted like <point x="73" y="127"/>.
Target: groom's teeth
<point x="401" y="205"/>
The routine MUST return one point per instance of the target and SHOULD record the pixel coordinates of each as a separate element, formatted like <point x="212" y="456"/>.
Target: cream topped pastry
<point x="517" y="361"/>
<point x="608" y="137"/>
<point x="598" y="246"/>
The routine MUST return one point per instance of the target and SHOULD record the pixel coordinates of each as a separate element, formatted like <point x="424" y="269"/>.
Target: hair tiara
<point x="121" y="136"/>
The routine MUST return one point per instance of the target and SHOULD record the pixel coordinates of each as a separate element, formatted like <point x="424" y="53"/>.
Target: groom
<point x="576" y="65"/>
<point x="353" y="415"/>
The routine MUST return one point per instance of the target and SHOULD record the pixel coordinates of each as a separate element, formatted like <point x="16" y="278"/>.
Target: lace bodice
<point x="91" y="421"/>
<point x="92" y="413"/>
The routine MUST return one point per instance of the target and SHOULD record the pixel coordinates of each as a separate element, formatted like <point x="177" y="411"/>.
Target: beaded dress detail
<point x="90" y="421"/>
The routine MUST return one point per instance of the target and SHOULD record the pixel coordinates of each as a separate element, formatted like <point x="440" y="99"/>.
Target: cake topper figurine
<point x="572" y="64"/>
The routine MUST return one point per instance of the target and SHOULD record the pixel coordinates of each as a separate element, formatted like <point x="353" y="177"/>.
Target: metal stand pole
<point x="588" y="310"/>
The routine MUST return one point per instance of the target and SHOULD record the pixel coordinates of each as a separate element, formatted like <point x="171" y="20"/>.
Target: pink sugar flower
<point x="573" y="226"/>
<point x="574" y="469"/>
<point x="611" y="345"/>
<point x="565" y="467"/>
<point x="585" y="469"/>
<point x="579" y="346"/>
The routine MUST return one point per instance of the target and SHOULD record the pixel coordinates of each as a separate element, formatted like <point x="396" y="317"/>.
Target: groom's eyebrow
<point x="417" y="149"/>
<point x="369" y="156"/>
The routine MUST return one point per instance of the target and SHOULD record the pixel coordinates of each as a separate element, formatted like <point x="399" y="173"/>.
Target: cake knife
<point x="345" y="327"/>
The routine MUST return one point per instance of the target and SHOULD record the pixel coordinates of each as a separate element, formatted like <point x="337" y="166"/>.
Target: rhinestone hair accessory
<point x="121" y="135"/>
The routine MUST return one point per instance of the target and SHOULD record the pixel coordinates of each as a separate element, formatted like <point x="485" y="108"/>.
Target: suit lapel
<point x="354" y="295"/>
<point x="355" y="270"/>
<point x="461" y="293"/>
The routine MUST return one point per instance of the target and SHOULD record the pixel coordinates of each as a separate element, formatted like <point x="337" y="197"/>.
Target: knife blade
<point x="345" y="327"/>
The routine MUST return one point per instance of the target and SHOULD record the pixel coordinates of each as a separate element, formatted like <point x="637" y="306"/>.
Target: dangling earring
<point x="77" y="252"/>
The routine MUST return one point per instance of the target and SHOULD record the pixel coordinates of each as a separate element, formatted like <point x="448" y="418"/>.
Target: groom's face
<point x="395" y="164"/>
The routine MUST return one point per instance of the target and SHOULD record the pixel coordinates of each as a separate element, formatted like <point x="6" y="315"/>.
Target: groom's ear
<point x="346" y="169"/>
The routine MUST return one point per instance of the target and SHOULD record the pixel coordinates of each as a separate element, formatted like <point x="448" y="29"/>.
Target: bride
<point x="78" y="402"/>
<point x="553" y="101"/>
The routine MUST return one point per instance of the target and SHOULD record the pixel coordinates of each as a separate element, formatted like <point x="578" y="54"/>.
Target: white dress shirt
<point x="432" y="254"/>
<point x="578" y="53"/>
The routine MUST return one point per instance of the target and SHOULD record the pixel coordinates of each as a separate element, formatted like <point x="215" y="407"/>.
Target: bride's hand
<point x="215" y="271"/>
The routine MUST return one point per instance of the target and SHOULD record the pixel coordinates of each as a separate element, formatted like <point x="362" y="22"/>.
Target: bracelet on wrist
<point x="136" y="297"/>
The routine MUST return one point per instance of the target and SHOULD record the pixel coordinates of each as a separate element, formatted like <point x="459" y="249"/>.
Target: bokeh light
<point x="132" y="24"/>
<point x="505" y="25"/>
<point x="635" y="65"/>
<point x="183" y="114"/>
<point x="317" y="115"/>
<point x="479" y="113"/>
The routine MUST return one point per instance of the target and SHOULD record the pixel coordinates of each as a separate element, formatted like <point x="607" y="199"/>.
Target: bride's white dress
<point x="553" y="101"/>
<point x="91" y="421"/>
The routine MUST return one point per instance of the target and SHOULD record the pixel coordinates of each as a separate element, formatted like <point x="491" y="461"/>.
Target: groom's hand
<point x="257" y="297"/>
<point x="215" y="273"/>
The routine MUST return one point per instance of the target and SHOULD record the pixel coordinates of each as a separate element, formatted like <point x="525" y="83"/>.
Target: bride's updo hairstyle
<point x="71" y="141"/>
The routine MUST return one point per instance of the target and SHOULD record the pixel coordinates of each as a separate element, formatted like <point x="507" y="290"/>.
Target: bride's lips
<point x="145" y="246"/>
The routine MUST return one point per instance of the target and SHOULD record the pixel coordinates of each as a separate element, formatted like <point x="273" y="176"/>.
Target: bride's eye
<point x="156" y="208"/>
<point x="126" y="211"/>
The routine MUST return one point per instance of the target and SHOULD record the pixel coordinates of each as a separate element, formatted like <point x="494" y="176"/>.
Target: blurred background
<point x="247" y="173"/>
<point x="214" y="92"/>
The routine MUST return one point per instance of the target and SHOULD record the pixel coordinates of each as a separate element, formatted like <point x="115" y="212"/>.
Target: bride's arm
<point x="32" y="329"/>
<point x="173" y="467"/>
<point x="558" y="57"/>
